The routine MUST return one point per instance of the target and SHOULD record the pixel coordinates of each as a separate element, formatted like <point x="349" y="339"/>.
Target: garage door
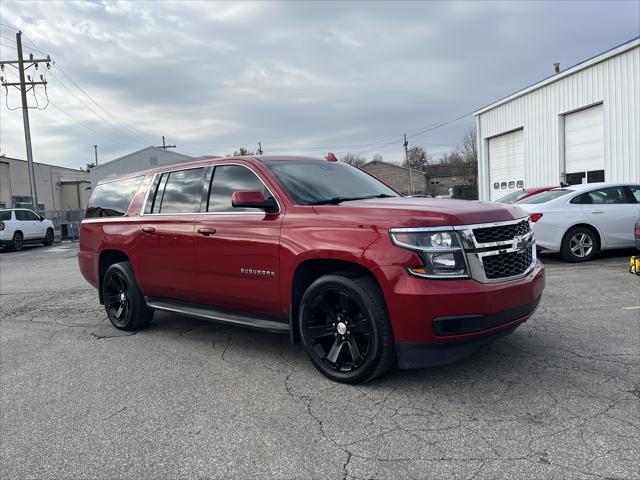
<point x="584" y="145"/>
<point x="506" y="163"/>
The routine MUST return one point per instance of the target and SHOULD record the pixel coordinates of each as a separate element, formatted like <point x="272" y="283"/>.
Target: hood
<point x="424" y="212"/>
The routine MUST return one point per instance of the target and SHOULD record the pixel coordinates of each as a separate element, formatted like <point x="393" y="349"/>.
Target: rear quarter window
<point x="5" y="216"/>
<point x="112" y="199"/>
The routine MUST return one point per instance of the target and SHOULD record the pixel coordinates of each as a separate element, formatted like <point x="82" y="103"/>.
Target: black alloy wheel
<point x="345" y="328"/>
<point x="17" y="242"/>
<point x="117" y="299"/>
<point x="48" y="237"/>
<point x="123" y="300"/>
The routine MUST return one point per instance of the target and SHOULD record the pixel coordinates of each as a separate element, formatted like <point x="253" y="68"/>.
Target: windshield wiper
<point x="337" y="200"/>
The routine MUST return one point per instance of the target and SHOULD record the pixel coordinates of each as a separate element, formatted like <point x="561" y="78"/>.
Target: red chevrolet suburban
<point x="364" y="278"/>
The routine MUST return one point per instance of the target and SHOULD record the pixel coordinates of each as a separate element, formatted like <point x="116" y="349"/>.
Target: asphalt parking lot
<point x="560" y="398"/>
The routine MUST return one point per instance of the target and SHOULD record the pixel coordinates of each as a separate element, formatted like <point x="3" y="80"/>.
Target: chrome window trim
<point x="207" y="189"/>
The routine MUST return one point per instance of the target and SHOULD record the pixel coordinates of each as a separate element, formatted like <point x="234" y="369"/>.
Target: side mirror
<point x="41" y="218"/>
<point x="254" y="199"/>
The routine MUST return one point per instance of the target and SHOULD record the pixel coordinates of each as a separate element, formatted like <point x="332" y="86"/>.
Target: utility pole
<point x="165" y="146"/>
<point x="95" y="149"/>
<point x="22" y="86"/>
<point x="259" y="148"/>
<point x="406" y="157"/>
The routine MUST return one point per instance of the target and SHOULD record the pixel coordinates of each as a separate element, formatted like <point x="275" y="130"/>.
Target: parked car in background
<point x="514" y="197"/>
<point x="19" y="226"/>
<point x="363" y="277"/>
<point x="580" y="220"/>
<point x="636" y="233"/>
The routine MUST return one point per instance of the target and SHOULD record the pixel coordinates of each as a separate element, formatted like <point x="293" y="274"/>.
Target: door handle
<point x="598" y="211"/>
<point x="148" y="230"/>
<point x="206" y="231"/>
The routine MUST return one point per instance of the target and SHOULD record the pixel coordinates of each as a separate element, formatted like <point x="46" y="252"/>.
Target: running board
<point x="206" y="312"/>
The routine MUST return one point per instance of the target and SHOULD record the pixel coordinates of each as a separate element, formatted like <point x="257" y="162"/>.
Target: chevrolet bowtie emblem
<point x="519" y="243"/>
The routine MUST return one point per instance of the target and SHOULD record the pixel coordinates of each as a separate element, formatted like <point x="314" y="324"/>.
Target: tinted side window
<point x="30" y="216"/>
<point x="182" y="192"/>
<point x="5" y="216"/>
<point x="113" y="198"/>
<point x="232" y="178"/>
<point x="603" y="196"/>
<point x="20" y="215"/>
<point x="635" y="192"/>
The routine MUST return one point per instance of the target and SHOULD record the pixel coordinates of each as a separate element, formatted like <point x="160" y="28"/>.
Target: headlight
<point x="440" y="250"/>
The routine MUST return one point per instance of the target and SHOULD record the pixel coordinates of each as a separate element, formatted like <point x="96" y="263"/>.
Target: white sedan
<point x="580" y="220"/>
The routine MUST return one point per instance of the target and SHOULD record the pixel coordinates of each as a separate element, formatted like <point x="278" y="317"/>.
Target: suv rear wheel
<point x="579" y="244"/>
<point x="345" y="328"/>
<point x="17" y="242"/>
<point x="123" y="300"/>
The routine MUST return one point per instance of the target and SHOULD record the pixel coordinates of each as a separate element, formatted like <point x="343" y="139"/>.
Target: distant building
<point x="442" y="178"/>
<point x="58" y="188"/>
<point x="143" y="159"/>
<point x="580" y="125"/>
<point x="397" y="177"/>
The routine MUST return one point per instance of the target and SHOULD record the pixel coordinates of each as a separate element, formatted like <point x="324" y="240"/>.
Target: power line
<point x="60" y="109"/>
<point x="106" y="120"/>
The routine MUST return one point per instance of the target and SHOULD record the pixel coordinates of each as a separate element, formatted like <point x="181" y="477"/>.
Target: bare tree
<point x="353" y="159"/>
<point x="417" y="156"/>
<point x="88" y="166"/>
<point x="242" y="152"/>
<point x="469" y="147"/>
<point x="465" y="155"/>
<point x="377" y="158"/>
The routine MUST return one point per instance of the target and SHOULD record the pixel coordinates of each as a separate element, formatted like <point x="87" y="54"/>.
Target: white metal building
<point x="139" y="160"/>
<point x="58" y="188"/>
<point x="579" y="126"/>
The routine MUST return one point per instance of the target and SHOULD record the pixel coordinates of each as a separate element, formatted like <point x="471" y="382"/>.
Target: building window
<point x="512" y="184"/>
<point x="496" y="186"/>
<point x="520" y="184"/>
<point x="503" y="185"/>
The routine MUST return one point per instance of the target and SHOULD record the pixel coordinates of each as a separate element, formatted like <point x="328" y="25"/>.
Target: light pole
<point x="95" y="149"/>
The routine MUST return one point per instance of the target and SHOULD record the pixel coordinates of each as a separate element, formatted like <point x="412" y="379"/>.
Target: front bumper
<point x="441" y="352"/>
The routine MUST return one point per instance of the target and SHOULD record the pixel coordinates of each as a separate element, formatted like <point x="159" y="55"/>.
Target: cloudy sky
<point x="301" y="77"/>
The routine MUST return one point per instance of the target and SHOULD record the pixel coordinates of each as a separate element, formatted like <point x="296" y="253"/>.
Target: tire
<point x="123" y="300"/>
<point x="17" y="242"/>
<point x="48" y="237"/>
<point x="345" y="328"/>
<point x="579" y="244"/>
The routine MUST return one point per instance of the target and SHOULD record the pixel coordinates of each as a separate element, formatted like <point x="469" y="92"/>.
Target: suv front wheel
<point x="345" y="328"/>
<point x="123" y="299"/>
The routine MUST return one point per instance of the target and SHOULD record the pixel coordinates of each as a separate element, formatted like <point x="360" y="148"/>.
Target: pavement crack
<point x="115" y="413"/>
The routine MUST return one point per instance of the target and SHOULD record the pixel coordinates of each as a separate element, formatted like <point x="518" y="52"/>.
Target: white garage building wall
<point x="611" y="80"/>
<point x="134" y="162"/>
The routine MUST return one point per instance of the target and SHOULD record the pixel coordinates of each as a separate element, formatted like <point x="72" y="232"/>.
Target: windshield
<point x="511" y="197"/>
<point x="314" y="182"/>
<point x="546" y="196"/>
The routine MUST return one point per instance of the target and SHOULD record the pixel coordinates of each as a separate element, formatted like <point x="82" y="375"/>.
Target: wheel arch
<point x="108" y="258"/>
<point x="308" y="271"/>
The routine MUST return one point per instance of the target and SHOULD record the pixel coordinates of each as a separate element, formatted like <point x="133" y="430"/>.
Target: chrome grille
<point x="501" y="233"/>
<point x="504" y="265"/>
<point x="500" y="251"/>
